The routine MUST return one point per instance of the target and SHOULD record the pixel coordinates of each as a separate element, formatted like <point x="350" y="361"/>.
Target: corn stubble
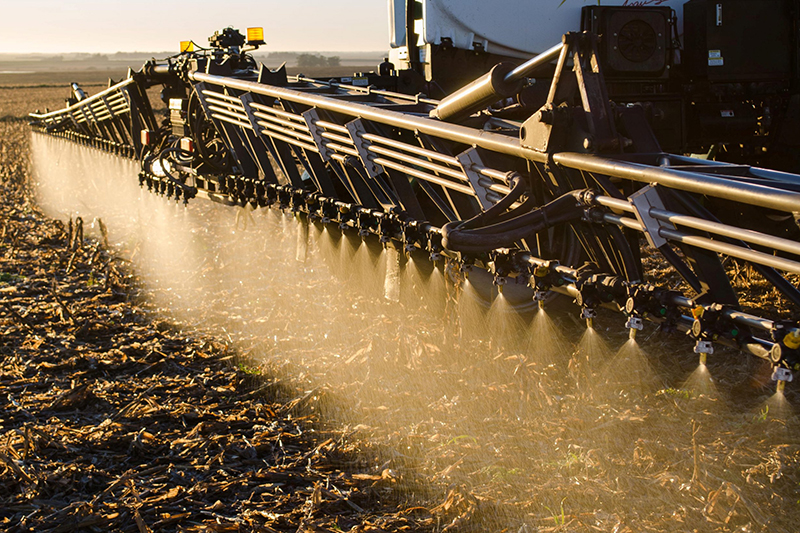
<point x="116" y="418"/>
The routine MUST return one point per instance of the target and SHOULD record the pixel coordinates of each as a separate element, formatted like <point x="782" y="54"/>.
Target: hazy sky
<point x="53" y="26"/>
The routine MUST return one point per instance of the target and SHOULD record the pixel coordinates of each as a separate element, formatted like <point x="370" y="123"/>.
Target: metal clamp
<point x="355" y="128"/>
<point x="247" y="99"/>
<point x="311" y="117"/>
<point x="468" y="159"/>
<point x="643" y="200"/>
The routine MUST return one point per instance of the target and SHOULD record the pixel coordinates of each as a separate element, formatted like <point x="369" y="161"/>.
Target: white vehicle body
<point x="513" y="28"/>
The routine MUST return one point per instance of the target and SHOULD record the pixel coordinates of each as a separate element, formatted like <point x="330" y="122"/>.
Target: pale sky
<point x="54" y="26"/>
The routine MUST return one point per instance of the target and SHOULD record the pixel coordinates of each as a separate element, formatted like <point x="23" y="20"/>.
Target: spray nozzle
<point x="434" y="246"/>
<point x="781" y="376"/>
<point x="589" y="314"/>
<point x="704" y="347"/>
<point x="634" y="324"/>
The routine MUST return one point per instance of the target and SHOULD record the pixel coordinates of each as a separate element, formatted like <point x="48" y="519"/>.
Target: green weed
<point x="8" y="277"/>
<point x="684" y="394"/>
<point x="761" y="416"/>
<point x="502" y="473"/>
<point x="249" y="370"/>
<point x="454" y="440"/>
<point x="560" y="519"/>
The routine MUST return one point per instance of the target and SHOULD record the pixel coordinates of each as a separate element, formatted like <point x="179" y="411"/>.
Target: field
<point x="112" y="418"/>
<point x="504" y="423"/>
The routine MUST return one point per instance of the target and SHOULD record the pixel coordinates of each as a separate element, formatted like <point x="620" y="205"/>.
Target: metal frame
<point x="376" y="161"/>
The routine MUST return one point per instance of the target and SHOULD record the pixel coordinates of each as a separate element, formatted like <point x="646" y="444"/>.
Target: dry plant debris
<point x="115" y="420"/>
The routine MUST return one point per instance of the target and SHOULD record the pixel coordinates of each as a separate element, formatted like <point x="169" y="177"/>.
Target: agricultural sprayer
<point x="547" y="173"/>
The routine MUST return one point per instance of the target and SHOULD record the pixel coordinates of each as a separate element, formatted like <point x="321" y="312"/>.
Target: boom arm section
<point x="567" y="200"/>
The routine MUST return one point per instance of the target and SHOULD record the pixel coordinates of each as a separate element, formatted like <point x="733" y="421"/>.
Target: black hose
<point x="471" y="243"/>
<point x="563" y="209"/>
<point x="562" y="202"/>
<point x="519" y="186"/>
<point x="147" y="165"/>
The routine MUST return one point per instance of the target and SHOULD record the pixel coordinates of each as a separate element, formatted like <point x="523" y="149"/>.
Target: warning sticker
<point x="715" y="58"/>
<point x="362" y="81"/>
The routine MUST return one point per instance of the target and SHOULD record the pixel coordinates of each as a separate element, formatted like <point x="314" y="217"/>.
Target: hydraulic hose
<point x="519" y="186"/>
<point x="458" y="236"/>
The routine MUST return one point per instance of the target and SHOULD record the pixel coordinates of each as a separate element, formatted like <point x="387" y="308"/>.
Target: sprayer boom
<point x="569" y="197"/>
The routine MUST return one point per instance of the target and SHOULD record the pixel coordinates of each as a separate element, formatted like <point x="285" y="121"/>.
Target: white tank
<point x="515" y="28"/>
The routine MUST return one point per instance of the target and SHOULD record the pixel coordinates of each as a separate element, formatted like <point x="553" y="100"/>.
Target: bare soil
<point x="114" y="420"/>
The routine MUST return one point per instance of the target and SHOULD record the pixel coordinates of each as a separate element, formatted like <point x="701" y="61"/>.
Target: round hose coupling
<point x="513" y="178"/>
<point x="587" y="197"/>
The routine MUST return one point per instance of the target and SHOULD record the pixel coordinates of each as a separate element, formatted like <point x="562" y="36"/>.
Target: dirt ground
<point x="113" y="418"/>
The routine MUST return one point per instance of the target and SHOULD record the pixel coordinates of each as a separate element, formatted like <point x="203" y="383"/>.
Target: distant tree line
<point x="317" y="60"/>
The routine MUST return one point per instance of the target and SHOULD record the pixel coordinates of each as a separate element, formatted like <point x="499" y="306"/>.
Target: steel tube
<point x="289" y="140"/>
<point x="692" y="182"/>
<point x="488" y="140"/>
<point x="343" y="149"/>
<point x="279" y="112"/>
<point x="749" y="193"/>
<point x="755" y="171"/>
<point x="225" y="104"/>
<point x="282" y="122"/>
<point x="725" y="230"/>
<point x="631" y="223"/>
<point x="533" y="64"/>
<point x="502" y="81"/>
<point x="337" y="138"/>
<point x="88" y="100"/>
<point x="229" y="120"/>
<point x="749" y="236"/>
<point x="616" y="203"/>
<point x="498" y="175"/>
<point x="424" y="176"/>
<point x="746" y="319"/>
<point x="286" y="131"/>
<point x="228" y="113"/>
<point x="732" y="250"/>
<point x="215" y="94"/>
<point x="489" y="88"/>
<point x="444" y="158"/>
<point x="331" y="126"/>
<point x="712" y="245"/>
<point x="555" y="83"/>
<point x="457" y="174"/>
<point x="410" y="148"/>
<point x="368" y="90"/>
